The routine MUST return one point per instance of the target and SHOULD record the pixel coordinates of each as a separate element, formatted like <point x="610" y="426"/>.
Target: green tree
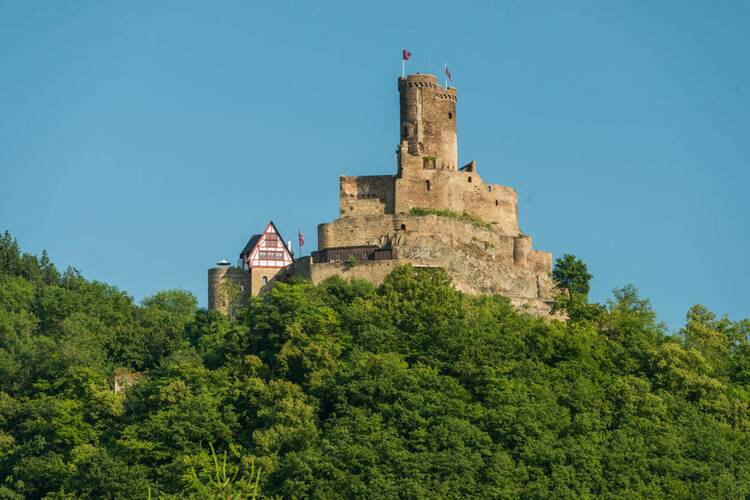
<point x="223" y="479"/>
<point x="571" y="274"/>
<point x="164" y="318"/>
<point x="572" y="280"/>
<point x="10" y="255"/>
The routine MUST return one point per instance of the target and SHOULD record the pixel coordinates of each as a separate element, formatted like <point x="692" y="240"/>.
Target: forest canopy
<point x="344" y="389"/>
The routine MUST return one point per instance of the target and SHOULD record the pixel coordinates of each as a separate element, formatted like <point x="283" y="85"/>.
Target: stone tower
<point x="227" y="289"/>
<point x="428" y="122"/>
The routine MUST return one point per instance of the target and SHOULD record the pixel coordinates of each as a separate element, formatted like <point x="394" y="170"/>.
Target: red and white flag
<point x="448" y="74"/>
<point x="405" y="56"/>
<point x="300" y="238"/>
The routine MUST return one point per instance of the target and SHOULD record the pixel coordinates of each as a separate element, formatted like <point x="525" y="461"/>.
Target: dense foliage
<point x="409" y="389"/>
<point x="572" y="275"/>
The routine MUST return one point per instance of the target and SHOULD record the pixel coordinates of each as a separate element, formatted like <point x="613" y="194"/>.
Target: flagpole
<point x="445" y="68"/>
<point x="403" y="67"/>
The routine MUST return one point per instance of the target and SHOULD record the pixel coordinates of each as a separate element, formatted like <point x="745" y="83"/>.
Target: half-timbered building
<point x="263" y="256"/>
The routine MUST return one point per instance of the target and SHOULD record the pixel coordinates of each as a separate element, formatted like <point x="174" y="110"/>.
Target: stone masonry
<point x="430" y="213"/>
<point x="228" y="288"/>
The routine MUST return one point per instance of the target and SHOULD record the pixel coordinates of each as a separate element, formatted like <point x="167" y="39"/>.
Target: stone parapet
<point x="368" y="194"/>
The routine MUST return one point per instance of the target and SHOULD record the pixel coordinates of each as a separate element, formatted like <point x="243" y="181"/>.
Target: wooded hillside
<point x="410" y="389"/>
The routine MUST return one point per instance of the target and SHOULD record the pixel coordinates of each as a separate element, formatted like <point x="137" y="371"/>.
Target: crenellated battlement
<point x="441" y="92"/>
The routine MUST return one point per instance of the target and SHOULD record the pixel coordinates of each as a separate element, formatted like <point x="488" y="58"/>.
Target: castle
<point x="431" y="213"/>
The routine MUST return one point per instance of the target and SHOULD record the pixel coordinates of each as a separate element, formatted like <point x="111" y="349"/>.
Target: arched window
<point x="265" y="280"/>
<point x="427" y="184"/>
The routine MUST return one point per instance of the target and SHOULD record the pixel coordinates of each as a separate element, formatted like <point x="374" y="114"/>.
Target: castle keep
<point x="431" y="213"/>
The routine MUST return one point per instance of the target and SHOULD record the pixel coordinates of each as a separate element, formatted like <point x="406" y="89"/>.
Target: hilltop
<point x="348" y="389"/>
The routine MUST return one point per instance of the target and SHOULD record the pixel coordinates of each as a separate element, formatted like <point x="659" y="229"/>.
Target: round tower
<point x="428" y="121"/>
<point x="228" y="289"/>
<point x="217" y="300"/>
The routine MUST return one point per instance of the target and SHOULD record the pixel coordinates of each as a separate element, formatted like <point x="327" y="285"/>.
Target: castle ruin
<point x="431" y="213"/>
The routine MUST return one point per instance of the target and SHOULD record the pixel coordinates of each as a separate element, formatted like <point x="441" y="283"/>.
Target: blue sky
<point x="142" y="141"/>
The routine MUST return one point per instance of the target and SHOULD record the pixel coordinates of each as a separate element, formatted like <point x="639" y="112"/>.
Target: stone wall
<point x="479" y="259"/>
<point x="226" y="281"/>
<point x="458" y="192"/>
<point x="356" y="230"/>
<point x="417" y="187"/>
<point x="124" y="379"/>
<point x="372" y="271"/>
<point x="370" y="194"/>
<point x="262" y="278"/>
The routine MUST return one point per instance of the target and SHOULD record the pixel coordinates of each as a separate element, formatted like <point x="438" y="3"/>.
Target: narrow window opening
<point x="469" y="178"/>
<point x="450" y="116"/>
<point x="427" y="184"/>
<point x="405" y="133"/>
<point x="497" y="203"/>
<point x="403" y="227"/>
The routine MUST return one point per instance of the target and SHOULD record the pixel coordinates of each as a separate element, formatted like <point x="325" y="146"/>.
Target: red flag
<point x="406" y="55"/>
<point x="448" y="73"/>
<point x="300" y="238"/>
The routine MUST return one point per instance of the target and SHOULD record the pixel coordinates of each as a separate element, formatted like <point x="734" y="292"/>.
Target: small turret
<point x="228" y="288"/>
